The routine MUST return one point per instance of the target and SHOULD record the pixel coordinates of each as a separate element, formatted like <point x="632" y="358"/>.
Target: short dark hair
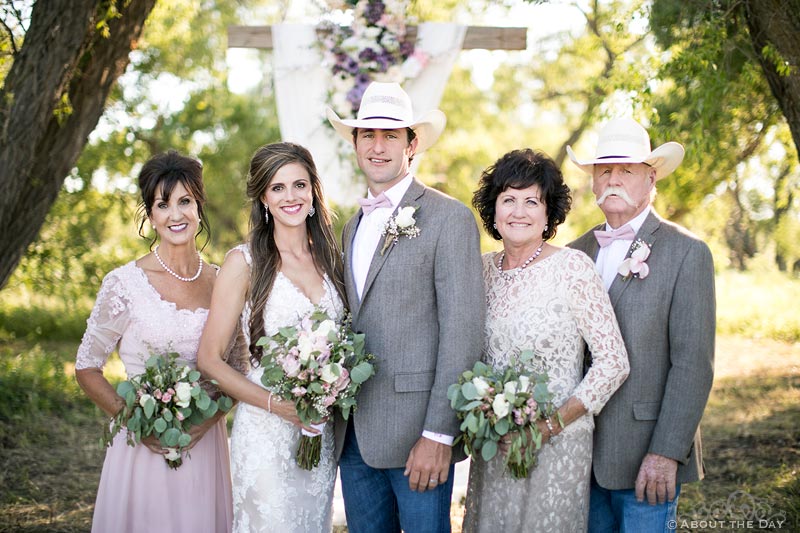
<point x="411" y="136"/>
<point x="167" y="170"/>
<point x="520" y="169"/>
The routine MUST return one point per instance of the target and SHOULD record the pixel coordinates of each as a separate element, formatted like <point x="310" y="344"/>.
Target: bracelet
<point x="549" y="426"/>
<point x="269" y="403"/>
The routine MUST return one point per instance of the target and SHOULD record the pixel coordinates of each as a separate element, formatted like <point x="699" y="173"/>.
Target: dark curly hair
<point x="520" y="169"/>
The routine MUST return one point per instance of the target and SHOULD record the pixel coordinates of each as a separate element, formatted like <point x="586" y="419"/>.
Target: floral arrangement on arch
<point x="373" y="48"/>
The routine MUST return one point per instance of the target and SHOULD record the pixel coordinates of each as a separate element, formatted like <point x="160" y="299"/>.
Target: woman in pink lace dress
<point x="552" y="301"/>
<point x="155" y="305"/>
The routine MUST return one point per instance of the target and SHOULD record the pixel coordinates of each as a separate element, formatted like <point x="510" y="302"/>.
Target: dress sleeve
<point x="598" y="326"/>
<point x="105" y="326"/>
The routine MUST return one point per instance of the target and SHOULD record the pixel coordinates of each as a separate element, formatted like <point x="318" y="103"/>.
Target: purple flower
<point x="374" y="12"/>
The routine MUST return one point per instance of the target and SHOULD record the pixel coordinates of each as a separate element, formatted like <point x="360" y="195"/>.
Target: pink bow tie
<point x="604" y="238"/>
<point x="371" y="204"/>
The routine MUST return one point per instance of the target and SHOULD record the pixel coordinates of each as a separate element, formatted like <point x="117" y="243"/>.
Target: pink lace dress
<point x="138" y="492"/>
<point x="555" y="307"/>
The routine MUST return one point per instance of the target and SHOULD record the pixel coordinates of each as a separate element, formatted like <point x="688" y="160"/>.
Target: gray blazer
<point x="667" y="321"/>
<point x="422" y="311"/>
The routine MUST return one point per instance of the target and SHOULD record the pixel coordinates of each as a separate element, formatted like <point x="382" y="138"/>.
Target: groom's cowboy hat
<point x="623" y="140"/>
<point x="386" y="106"/>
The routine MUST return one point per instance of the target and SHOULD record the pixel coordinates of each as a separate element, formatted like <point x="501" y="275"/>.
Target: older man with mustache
<point x="660" y="280"/>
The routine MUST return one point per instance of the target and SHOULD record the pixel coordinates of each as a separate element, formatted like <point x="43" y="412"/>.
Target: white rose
<point x="510" y="389"/>
<point x="305" y="346"/>
<point x="500" y="406"/>
<point x="325" y="327"/>
<point x="405" y="217"/>
<point x="172" y="454"/>
<point x="183" y="393"/>
<point x="144" y="399"/>
<point x="480" y="385"/>
<point x="331" y="372"/>
<point x="185" y="371"/>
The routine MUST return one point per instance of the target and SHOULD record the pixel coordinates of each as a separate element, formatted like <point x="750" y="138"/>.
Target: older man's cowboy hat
<point x="623" y="140"/>
<point x="386" y="106"/>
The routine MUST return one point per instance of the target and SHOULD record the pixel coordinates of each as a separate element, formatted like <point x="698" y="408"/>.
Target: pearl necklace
<point x="510" y="277"/>
<point x="168" y="269"/>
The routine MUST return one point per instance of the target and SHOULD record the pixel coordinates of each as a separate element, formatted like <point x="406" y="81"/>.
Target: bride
<point x="290" y="264"/>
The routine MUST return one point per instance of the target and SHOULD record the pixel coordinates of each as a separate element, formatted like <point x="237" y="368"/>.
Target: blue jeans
<point x="618" y="511"/>
<point x="380" y="500"/>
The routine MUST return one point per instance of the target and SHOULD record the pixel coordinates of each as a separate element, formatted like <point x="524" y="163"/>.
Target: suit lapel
<point x="647" y="234"/>
<point x="410" y="198"/>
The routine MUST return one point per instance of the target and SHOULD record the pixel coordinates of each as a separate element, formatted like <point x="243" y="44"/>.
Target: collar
<point x="635" y="223"/>
<point x="397" y="191"/>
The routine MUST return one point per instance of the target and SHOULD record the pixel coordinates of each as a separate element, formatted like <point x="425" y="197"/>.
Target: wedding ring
<point x="433" y="480"/>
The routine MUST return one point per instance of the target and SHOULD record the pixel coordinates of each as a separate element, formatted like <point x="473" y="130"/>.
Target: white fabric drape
<point x="301" y="93"/>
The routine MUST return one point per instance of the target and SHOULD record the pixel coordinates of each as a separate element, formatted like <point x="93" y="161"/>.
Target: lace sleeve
<point x="245" y="250"/>
<point x="598" y="326"/>
<point x="105" y="325"/>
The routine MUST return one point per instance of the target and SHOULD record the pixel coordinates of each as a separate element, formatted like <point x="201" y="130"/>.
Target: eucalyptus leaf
<point x="489" y="450"/>
<point x="362" y="372"/>
<point x="170" y="437"/>
<point x="160" y="424"/>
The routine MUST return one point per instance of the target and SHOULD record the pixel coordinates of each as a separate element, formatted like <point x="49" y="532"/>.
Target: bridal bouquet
<point x="318" y="365"/>
<point x="494" y="403"/>
<point x="165" y="401"/>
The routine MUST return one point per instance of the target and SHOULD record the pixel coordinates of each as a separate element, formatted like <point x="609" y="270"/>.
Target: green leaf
<point x="315" y="387"/>
<point x="149" y="407"/>
<point x="194" y="375"/>
<point x="124" y="387"/>
<point x="203" y="403"/>
<point x="184" y="440"/>
<point x="362" y="372"/>
<point x="489" y="450"/>
<point x="501" y="427"/>
<point x="160" y="425"/>
<point x="224" y="403"/>
<point x="471" y="405"/>
<point x="469" y="391"/>
<point x="472" y="422"/>
<point x="170" y="437"/>
<point x="167" y="415"/>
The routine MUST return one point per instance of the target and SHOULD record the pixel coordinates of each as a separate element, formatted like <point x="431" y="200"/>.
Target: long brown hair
<point x="266" y="258"/>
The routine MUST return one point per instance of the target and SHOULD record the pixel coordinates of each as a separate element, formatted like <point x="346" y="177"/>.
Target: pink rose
<point x="166" y="397"/>
<point x="179" y="416"/>
<point x="328" y="401"/>
<point x="157" y="394"/>
<point x="299" y="391"/>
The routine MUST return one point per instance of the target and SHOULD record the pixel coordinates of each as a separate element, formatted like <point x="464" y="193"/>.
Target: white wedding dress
<point x="554" y="307"/>
<point x="270" y="492"/>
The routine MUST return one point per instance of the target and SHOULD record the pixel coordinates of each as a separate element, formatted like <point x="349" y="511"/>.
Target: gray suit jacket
<point x="422" y="311"/>
<point x="668" y="322"/>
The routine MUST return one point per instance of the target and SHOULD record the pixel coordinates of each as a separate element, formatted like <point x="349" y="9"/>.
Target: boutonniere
<point x="635" y="265"/>
<point x="403" y="223"/>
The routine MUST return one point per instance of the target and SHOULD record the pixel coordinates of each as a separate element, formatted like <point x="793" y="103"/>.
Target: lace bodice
<point x="552" y="308"/>
<point x="270" y="493"/>
<point x="131" y="314"/>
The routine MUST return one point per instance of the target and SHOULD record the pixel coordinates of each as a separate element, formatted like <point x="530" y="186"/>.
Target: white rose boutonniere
<point x="403" y="223"/>
<point x="635" y="265"/>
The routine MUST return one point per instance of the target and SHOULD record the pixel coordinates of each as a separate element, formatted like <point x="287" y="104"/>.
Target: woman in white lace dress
<point x="290" y="264"/>
<point x="156" y="305"/>
<point x="552" y="301"/>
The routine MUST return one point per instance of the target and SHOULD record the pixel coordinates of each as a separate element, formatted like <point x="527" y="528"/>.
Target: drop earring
<point x="266" y="212"/>
<point x="494" y="225"/>
<point x="312" y="211"/>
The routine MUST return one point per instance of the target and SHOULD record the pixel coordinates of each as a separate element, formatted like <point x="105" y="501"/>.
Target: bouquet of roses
<point x="318" y="365"/>
<point x="494" y="403"/>
<point x="166" y="400"/>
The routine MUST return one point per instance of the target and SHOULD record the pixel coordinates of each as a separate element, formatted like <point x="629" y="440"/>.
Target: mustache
<point x="619" y="191"/>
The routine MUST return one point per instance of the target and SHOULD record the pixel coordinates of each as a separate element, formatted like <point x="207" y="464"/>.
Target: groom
<point x="417" y="294"/>
<point x="660" y="279"/>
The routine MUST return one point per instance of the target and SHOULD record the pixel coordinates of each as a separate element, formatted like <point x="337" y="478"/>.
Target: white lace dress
<point x="270" y="492"/>
<point x="551" y="307"/>
<point x="138" y="492"/>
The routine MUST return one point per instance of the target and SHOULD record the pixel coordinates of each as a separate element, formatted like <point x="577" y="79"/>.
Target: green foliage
<point x="758" y="305"/>
<point x="33" y="387"/>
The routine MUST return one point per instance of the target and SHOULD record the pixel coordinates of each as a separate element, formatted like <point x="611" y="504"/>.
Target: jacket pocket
<point x="646" y="410"/>
<point x="413" y="382"/>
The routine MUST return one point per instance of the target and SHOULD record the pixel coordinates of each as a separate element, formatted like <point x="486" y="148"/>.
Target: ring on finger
<point x="433" y="481"/>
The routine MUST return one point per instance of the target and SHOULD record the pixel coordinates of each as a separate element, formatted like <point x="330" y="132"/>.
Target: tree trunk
<point x="776" y="24"/>
<point x="51" y="100"/>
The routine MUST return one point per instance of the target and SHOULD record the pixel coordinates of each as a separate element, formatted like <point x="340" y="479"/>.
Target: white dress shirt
<point x="365" y="242"/>
<point x="369" y="232"/>
<point x="610" y="257"/>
